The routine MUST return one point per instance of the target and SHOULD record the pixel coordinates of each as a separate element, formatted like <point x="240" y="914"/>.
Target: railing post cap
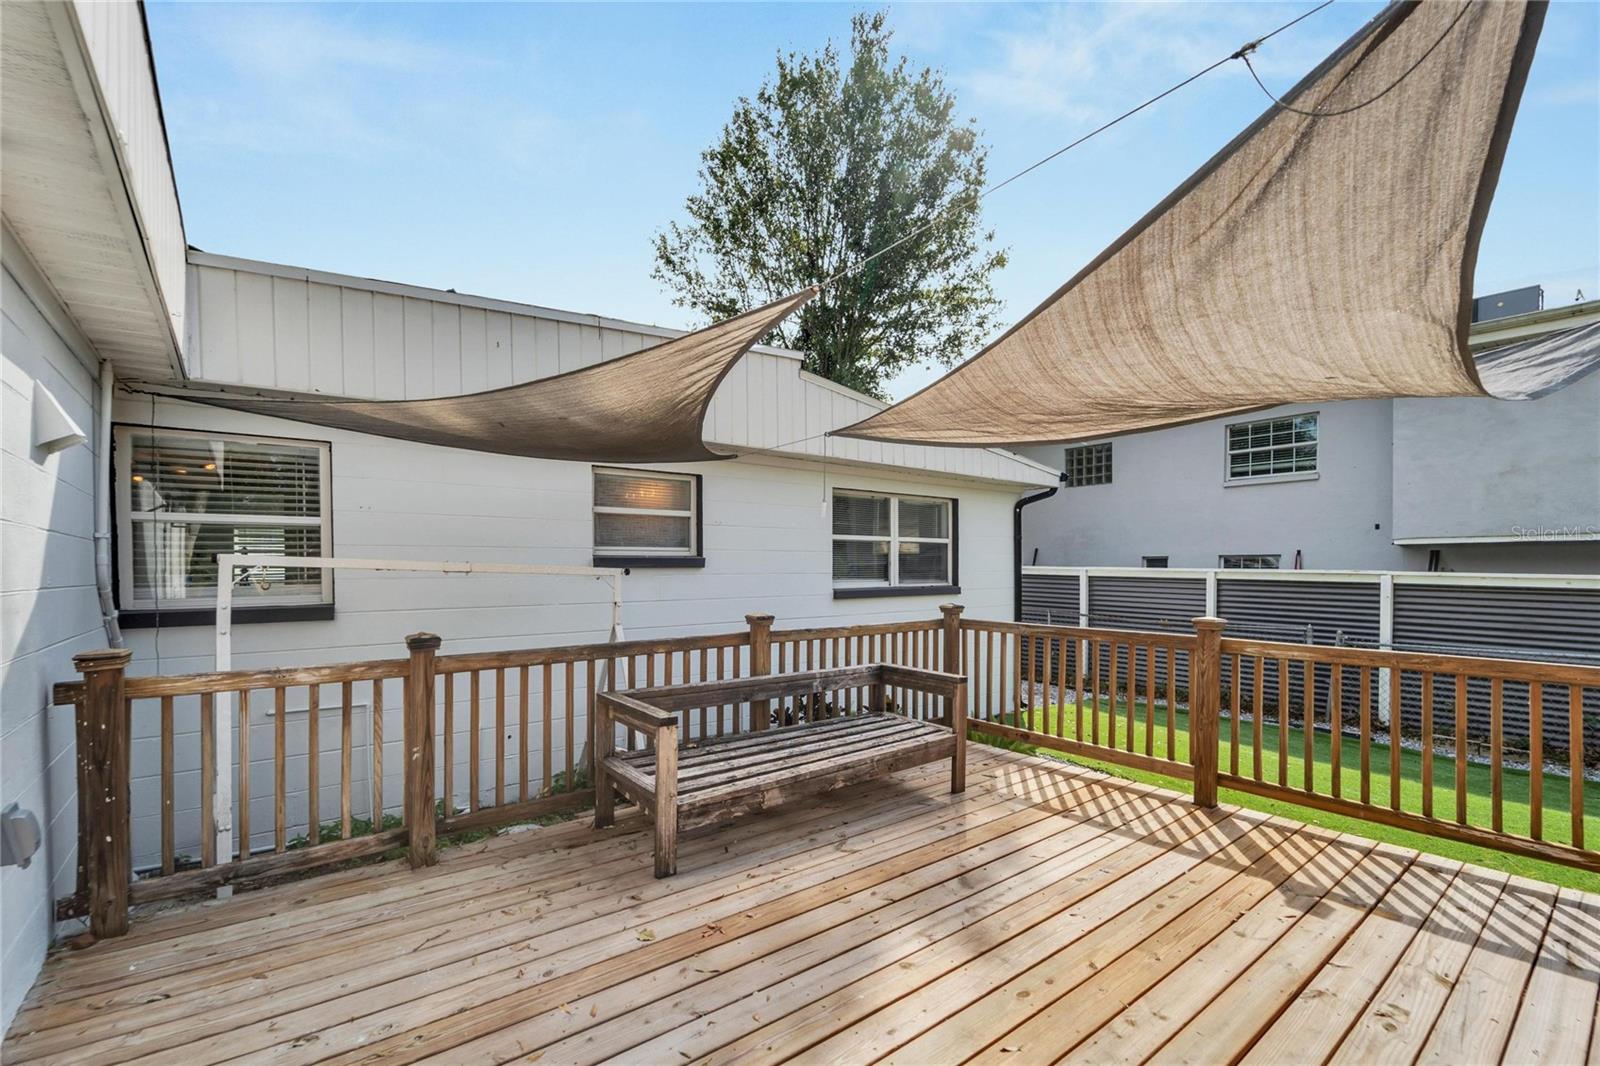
<point x="423" y="642"/>
<point x="88" y="662"/>
<point x="1209" y="622"/>
<point x="951" y="608"/>
<point x="759" y="619"/>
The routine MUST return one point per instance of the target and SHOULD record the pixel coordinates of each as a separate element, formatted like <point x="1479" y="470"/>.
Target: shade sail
<point x="649" y="406"/>
<point x="1313" y="259"/>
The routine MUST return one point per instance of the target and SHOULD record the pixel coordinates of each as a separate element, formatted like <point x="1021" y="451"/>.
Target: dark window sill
<point x="879" y="591"/>
<point x="207" y="616"/>
<point x="645" y="562"/>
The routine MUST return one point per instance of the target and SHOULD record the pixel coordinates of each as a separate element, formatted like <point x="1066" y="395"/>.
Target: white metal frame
<point x="895" y="539"/>
<point x="125" y="513"/>
<point x="691" y="514"/>
<point x="229" y="565"/>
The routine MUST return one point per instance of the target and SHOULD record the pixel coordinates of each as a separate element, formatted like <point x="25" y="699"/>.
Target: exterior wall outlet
<point x="19" y="837"/>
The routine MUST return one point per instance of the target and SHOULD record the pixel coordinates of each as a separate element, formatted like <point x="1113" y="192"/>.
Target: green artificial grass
<point x="1515" y="783"/>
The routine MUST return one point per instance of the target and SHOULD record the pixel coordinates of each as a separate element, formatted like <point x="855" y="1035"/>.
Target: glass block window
<point x="1272" y="446"/>
<point x="891" y="540"/>
<point x="641" y="512"/>
<point x="1248" y="562"/>
<point x="186" y="497"/>
<point x="1088" y="464"/>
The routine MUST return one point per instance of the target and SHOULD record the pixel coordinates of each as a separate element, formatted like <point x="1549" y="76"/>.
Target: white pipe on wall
<point x="102" y="507"/>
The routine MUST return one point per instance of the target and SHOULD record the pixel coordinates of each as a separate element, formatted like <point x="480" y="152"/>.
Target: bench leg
<point x="667" y="841"/>
<point x="666" y="812"/>
<point x="605" y="802"/>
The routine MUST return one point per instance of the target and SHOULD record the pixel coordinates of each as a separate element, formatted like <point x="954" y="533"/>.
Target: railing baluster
<point x="1234" y="699"/>
<point x="1536" y="760"/>
<point x="168" y="856"/>
<point x="208" y="780"/>
<point x="1149" y="699"/>
<point x="1366" y="734"/>
<point x="546" y="784"/>
<point x="1133" y="691"/>
<point x="1427" y="744"/>
<point x="1394" y="739"/>
<point x="1336" y="727"/>
<point x="1095" y="649"/>
<point x="500" y="738"/>
<point x="280" y="785"/>
<point x="1496" y="694"/>
<point x="346" y="746"/>
<point x="1111" y="694"/>
<point x="522" y="734"/>
<point x="1258" y="710"/>
<point x="1080" y="652"/>
<point x="1283" y="723"/>
<point x="313" y="759"/>
<point x="1575" y="755"/>
<point x="377" y="756"/>
<point x="1308" y="683"/>
<point x="449" y="745"/>
<point x="243" y="843"/>
<point x="572" y="669"/>
<point x="1496" y="746"/>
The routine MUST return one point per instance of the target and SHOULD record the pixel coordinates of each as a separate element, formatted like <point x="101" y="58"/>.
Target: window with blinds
<point x="185" y="497"/>
<point x="891" y="540"/>
<point x="1272" y="447"/>
<point x="640" y="512"/>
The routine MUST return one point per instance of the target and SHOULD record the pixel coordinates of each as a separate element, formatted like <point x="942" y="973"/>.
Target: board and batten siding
<point x="48" y="611"/>
<point x="766" y="542"/>
<point x="310" y="331"/>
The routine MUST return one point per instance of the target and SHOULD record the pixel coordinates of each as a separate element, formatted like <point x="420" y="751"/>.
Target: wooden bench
<point x="713" y="780"/>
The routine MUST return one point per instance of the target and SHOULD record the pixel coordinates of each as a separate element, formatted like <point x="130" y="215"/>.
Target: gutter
<point x="1016" y="543"/>
<point x="102" y="508"/>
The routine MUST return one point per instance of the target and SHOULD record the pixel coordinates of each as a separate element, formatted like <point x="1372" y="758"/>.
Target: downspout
<point x="102" y="508"/>
<point x="1016" y="544"/>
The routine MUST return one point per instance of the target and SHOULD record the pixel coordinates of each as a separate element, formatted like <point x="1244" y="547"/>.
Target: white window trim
<point x="692" y="514"/>
<point x="895" y="540"/>
<point x="1229" y="478"/>
<point x="126" y="516"/>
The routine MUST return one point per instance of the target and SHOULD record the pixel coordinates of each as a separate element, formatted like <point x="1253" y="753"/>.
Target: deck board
<point x="1048" y="914"/>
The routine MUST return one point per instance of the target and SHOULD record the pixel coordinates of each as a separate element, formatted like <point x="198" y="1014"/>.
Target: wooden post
<point x="605" y="743"/>
<point x="760" y="663"/>
<point x="419" y="750"/>
<point x="103" y="758"/>
<point x="950" y="662"/>
<point x="666" y="812"/>
<point x="1205" y="707"/>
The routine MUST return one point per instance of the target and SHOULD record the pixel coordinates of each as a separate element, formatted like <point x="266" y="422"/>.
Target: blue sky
<point x="529" y="151"/>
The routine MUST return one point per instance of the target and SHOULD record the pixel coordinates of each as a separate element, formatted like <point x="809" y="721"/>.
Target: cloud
<point x="1086" y="62"/>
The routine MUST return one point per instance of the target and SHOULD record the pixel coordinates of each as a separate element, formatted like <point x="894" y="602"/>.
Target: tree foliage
<point x="837" y="158"/>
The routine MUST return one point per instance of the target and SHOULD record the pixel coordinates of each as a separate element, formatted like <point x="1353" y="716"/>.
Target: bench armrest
<point x="633" y="713"/>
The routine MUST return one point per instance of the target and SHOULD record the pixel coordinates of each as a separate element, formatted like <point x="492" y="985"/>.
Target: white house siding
<point x="48" y="613"/>
<point x="291" y="328"/>
<point x="1169" y="497"/>
<point x="766" y="542"/>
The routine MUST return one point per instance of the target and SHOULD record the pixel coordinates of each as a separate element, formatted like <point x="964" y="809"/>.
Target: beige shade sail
<point x="1313" y="259"/>
<point x="647" y="407"/>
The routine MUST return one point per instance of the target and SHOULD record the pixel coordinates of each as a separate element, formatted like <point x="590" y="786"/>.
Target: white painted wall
<point x="1169" y="496"/>
<point x="766" y="541"/>
<point x="48" y="613"/>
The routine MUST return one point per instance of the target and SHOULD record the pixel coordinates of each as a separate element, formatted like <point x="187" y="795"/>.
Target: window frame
<point x="619" y="555"/>
<point x="136" y="611"/>
<point x="1222" y="561"/>
<point x="852" y="587"/>
<point x="1089" y="451"/>
<point x="1228" y="451"/>
<point x="1155" y="562"/>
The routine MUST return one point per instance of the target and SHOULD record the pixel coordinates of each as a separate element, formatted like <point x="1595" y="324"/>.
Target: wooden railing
<point x="1303" y="722"/>
<point x="493" y="738"/>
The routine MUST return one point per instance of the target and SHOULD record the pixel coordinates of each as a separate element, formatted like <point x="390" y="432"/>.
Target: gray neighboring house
<point x="1471" y="485"/>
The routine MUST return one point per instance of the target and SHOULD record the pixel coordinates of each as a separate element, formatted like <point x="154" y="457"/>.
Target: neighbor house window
<point x="645" y="513"/>
<point x="881" y="540"/>
<point x="1273" y="446"/>
<point x="1088" y="464"/>
<point x="185" y="497"/>
<point x="1248" y="562"/>
<point x="1155" y="562"/>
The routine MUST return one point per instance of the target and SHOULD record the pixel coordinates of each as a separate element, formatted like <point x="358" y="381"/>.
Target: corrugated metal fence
<point x="1552" y="618"/>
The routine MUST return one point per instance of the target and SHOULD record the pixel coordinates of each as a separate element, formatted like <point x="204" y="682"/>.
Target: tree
<point x="826" y="166"/>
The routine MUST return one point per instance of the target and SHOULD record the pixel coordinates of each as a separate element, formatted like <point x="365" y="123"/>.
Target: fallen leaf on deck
<point x="647" y="934"/>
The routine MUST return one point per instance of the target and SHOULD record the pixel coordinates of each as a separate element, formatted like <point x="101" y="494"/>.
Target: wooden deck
<point x="1046" y="914"/>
